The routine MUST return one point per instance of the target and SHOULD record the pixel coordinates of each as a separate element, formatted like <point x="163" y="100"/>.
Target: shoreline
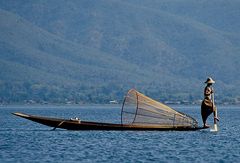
<point x="99" y="105"/>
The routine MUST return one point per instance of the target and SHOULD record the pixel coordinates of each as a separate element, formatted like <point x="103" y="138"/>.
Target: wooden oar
<point x="215" y="127"/>
<point x="58" y="125"/>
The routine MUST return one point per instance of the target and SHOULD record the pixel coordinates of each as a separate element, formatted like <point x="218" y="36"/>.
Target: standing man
<point x="208" y="107"/>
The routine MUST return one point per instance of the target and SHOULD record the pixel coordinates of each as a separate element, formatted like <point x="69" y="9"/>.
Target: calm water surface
<point x="25" y="141"/>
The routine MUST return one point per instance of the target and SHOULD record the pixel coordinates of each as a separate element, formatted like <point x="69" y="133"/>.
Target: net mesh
<point x="139" y="109"/>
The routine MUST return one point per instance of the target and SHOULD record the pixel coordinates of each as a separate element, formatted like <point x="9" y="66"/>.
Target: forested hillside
<point x="85" y="51"/>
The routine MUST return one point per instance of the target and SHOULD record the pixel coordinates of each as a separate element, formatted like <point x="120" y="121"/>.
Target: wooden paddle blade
<point x="215" y="128"/>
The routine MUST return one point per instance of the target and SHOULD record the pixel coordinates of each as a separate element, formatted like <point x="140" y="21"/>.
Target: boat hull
<point x="87" y="125"/>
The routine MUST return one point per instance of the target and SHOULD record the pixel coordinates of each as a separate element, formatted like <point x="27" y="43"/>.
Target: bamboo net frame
<point x="138" y="109"/>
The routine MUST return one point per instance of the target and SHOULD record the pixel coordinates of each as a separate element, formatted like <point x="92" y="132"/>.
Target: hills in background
<point x="94" y="51"/>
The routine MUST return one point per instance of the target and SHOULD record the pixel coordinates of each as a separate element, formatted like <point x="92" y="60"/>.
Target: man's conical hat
<point x="209" y="81"/>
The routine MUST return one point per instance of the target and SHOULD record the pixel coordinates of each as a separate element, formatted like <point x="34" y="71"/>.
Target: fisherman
<point x="208" y="106"/>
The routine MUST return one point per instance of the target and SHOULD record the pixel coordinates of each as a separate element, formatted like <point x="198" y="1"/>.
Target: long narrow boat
<point x="139" y="112"/>
<point x="73" y="124"/>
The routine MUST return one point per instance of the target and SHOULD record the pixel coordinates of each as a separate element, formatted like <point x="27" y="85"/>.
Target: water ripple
<point x="25" y="141"/>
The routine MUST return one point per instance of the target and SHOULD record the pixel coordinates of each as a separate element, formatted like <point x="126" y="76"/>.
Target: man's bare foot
<point x="206" y="126"/>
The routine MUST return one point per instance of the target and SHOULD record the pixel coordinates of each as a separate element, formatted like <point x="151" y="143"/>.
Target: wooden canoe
<point x="73" y="124"/>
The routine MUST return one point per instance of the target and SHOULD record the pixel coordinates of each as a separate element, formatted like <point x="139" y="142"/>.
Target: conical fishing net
<point x="139" y="109"/>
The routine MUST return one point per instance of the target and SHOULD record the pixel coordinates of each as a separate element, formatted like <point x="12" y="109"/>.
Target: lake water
<point x="25" y="141"/>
